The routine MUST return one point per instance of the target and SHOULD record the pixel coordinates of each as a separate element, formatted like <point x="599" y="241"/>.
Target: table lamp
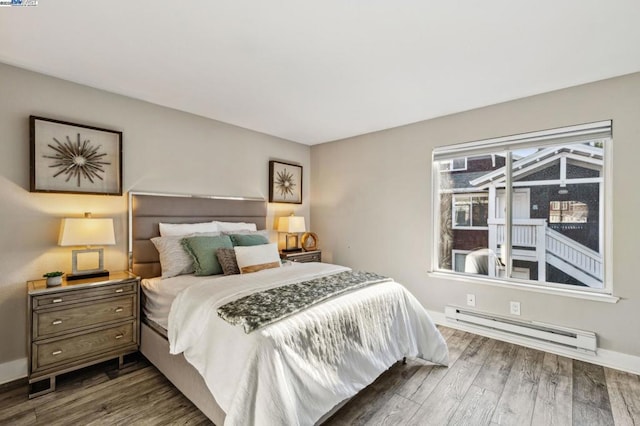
<point x="292" y="225"/>
<point x="87" y="231"/>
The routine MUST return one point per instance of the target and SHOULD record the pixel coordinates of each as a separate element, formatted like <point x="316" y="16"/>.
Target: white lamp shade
<point x="87" y="232"/>
<point x="291" y="224"/>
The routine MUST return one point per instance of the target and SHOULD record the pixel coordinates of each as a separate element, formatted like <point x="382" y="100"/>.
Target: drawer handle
<point x="119" y="336"/>
<point x="57" y="322"/>
<point x="119" y="309"/>
<point x="54" y="353"/>
<point x="119" y="290"/>
<point x="56" y="300"/>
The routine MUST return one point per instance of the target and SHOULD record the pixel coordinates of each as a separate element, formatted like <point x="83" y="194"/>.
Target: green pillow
<point x="203" y="252"/>
<point x="248" y="239"/>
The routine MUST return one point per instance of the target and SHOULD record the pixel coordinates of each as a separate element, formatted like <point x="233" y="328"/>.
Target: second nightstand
<point x="302" y="256"/>
<point x="80" y="323"/>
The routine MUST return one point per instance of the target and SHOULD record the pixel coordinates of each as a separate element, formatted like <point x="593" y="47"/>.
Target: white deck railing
<point x="535" y="234"/>
<point x="524" y="232"/>
<point x="581" y="257"/>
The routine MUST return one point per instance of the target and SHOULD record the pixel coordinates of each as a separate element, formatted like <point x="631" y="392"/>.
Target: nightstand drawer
<point x="62" y="319"/>
<point x="64" y="297"/>
<point x="82" y="346"/>
<point x="310" y="256"/>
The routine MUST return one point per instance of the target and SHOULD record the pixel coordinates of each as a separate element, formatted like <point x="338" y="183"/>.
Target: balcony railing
<point x="533" y="240"/>
<point x="524" y="232"/>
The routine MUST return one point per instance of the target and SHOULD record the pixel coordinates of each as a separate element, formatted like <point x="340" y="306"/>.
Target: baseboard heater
<point x="566" y="337"/>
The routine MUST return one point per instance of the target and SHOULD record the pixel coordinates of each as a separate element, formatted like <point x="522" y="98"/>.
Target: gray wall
<point x="372" y="210"/>
<point x="164" y="151"/>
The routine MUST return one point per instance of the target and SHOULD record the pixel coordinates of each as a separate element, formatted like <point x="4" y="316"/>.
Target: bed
<point x="261" y="377"/>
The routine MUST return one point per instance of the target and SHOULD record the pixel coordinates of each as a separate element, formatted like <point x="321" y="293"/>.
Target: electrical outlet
<point x="471" y="300"/>
<point x="514" y="308"/>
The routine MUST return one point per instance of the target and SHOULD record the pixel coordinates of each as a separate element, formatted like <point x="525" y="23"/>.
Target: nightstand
<point x="80" y="323"/>
<point x="302" y="256"/>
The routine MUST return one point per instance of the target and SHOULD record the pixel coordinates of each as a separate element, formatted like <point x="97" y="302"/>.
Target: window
<point x="455" y="165"/>
<point x="530" y="208"/>
<point x="459" y="258"/>
<point x="568" y="212"/>
<point x="470" y="211"/>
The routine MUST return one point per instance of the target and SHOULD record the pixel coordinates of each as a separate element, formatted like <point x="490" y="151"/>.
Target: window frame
<point x="551" y="210"/>
<point x="453" y="258"/>
<point x="580" y="134"/>
<point x="452" y="169"/>
<point x="453" y="209"/>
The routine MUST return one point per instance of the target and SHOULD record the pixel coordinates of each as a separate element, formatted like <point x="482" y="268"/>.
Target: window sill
<point x="597" y="297"/>
<point x="471" y="228"/>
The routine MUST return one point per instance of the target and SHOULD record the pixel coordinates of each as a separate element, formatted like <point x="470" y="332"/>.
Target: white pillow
<point x="257" y="258"/>
<point x="174" y="259"/>
<point x="177" y="229"/>
<point x="263" y="232"/>
<point x="235" y="226"/>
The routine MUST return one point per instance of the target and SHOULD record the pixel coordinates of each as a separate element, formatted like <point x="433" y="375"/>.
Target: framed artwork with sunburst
<point x="74" y="158"/>
<point x="285" y="183"/>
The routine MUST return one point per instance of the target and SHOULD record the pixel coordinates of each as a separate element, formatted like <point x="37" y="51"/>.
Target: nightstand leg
<point x="35" y="390"/>
<point x="120" y="361"/>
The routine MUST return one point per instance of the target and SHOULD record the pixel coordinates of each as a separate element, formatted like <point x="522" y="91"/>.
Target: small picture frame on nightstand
<point x="309" y="241"/>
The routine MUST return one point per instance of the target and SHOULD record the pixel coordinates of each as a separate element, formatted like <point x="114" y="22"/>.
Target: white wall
<point x="164" y="151"/>
<point x="371" y="204"/>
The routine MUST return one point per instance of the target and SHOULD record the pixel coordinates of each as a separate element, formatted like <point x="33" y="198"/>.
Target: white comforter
<point x="295" y="370"/>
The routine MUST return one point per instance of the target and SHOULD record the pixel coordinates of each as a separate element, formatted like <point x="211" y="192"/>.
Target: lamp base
<point x="293" y="250"/>
<point x="291" y="243"/>
<point x="72" y="277"/>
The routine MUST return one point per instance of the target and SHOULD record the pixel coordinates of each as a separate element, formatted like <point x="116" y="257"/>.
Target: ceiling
<point x="317" y="71"/>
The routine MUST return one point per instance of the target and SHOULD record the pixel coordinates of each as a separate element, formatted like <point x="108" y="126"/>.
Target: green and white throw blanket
<point x="265" y="307"/>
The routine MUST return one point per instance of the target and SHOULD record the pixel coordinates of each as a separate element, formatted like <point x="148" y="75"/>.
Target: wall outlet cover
<point x="471" y="300"/>
<point x="514" y="308"/>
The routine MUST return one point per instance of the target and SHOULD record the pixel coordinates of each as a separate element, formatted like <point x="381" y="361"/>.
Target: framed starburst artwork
<point x="73" y="158"/>
<point x="285" y="183"/>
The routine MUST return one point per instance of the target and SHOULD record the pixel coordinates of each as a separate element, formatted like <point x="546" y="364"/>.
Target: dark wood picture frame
<point x="72" y="158"/>
<point x="285" y="183"/>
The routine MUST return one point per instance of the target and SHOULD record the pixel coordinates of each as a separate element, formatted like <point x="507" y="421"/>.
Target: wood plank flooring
<point x="488" y="382"/>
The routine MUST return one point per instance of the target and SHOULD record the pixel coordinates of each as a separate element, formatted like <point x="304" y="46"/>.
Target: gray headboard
<point x="146" y="210"/>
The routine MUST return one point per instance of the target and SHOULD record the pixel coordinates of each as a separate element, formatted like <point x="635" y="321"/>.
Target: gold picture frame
<point x="309" y="241"/>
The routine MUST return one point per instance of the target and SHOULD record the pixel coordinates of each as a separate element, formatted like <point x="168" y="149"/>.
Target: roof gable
<point x="591" y="156"/>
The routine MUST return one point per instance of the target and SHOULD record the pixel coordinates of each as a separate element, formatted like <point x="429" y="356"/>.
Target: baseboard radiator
<point x="568" y="338"/>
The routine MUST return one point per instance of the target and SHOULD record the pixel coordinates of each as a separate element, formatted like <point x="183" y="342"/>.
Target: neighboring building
<point x="557" y="207"/>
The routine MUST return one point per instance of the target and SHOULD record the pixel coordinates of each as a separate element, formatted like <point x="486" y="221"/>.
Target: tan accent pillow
<point x="256" y="258"/>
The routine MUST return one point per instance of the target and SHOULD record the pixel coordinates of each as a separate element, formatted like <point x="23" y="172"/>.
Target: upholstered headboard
<point x="146" y="210"/>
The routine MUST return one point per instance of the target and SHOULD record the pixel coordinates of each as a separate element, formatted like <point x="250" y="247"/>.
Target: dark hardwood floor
<point x="487" y="383"/>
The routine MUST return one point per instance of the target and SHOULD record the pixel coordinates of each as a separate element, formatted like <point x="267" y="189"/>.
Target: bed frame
<point x="146" y="210"/>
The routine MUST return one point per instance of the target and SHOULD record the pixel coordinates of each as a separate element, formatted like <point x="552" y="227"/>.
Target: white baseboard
<point x="13" y="370"/>
<point x="603" y="357"/>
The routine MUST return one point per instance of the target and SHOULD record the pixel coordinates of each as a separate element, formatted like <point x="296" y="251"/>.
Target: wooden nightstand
<point x="302" y="256"/>
<point x="80" y="323"/>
